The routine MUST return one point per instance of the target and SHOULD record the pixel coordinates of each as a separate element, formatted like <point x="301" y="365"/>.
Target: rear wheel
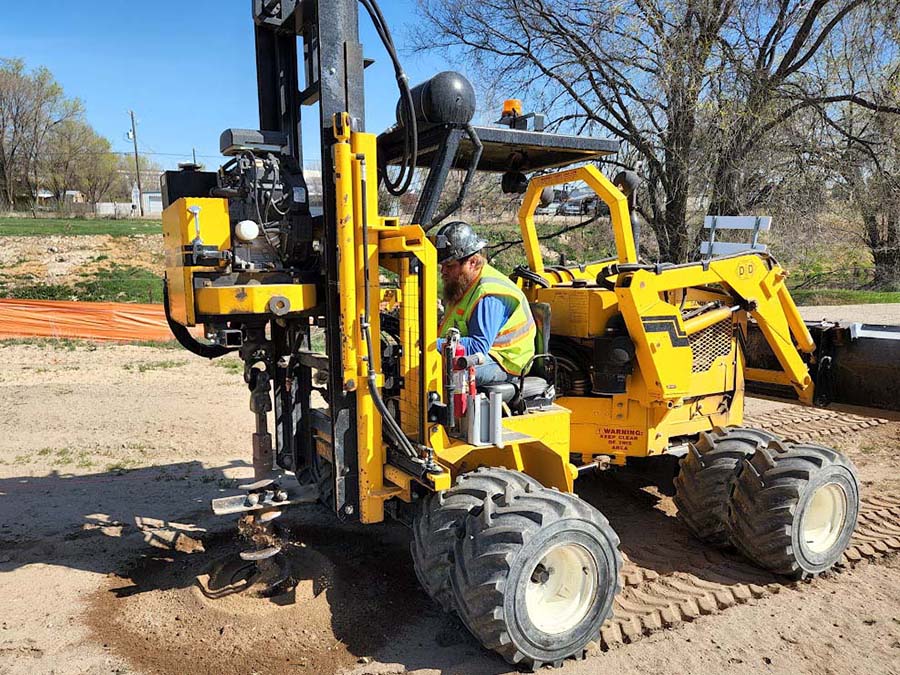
<point x="535" y="574"/>
<point x="438" y="518"/>
<point x="794" y="508"/>
<point x="706" y="474"/>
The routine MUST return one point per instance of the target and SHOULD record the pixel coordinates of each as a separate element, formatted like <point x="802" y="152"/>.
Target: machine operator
<point x="490" y="311"/>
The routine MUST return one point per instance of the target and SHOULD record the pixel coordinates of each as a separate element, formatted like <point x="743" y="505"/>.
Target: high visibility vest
<point x="513" y="347"/>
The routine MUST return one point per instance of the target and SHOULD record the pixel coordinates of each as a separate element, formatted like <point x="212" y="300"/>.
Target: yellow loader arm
<point x="754" y="282"/>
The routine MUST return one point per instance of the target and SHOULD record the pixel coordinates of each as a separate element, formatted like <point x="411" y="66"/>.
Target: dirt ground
<point x="110" y="454"/>
<point x="58" y="259"/>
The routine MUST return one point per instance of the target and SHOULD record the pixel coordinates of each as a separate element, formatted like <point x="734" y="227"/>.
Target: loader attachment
<point x="853" y="364"/>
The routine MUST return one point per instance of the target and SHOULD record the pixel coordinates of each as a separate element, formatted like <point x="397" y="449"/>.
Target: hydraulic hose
<point x="184" y="337"/>
<point x="407" y="115"/>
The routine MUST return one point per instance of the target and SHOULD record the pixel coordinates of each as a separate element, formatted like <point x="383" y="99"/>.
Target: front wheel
<point x="535" y="574"/>
<point x="794" y="508"/>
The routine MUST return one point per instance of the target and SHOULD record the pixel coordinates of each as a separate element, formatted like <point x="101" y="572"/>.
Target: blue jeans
<point x="490" y="372"/>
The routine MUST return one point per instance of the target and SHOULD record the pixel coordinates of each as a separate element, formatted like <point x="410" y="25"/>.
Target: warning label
<point x="620" y="439"/>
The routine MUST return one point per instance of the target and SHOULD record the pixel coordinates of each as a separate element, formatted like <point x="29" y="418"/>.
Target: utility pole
<point x="194" y="151"/>
<point x="137" y="163"/>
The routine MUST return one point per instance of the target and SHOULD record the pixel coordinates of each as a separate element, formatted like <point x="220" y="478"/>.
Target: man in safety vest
<point x="490" y="311"/>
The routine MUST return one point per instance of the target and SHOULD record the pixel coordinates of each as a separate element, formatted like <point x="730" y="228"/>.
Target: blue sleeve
<point x="485" y="323"/>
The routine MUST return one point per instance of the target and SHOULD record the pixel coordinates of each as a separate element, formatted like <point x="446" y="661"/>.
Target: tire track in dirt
<point x="651" y="601"/>
<point x="811" y="424"/>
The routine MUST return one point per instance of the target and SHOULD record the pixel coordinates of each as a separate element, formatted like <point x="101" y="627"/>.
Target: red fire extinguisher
<point x="459" y="380"/>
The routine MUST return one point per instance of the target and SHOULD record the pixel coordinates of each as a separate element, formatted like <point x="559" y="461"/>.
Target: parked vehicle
<point x="547" y="210"/>
<point x="570" y="208"/>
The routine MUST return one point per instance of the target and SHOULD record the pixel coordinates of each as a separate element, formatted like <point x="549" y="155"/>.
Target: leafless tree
<point x="693" y="89"/>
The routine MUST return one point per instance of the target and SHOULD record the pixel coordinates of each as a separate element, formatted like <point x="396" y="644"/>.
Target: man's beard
<point x="456" y="288"/>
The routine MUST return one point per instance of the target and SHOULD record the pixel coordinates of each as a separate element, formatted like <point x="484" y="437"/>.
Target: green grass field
<point x="38" y="227"/>
<point x="840" y="296"/>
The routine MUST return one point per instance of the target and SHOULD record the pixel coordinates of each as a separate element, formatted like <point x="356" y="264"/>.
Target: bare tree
<point x="783" y="63"/>
<point x="866" y="160"/>
<point x="692" y="89"/>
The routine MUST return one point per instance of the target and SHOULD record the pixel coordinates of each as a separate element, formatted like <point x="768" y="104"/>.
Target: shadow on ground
<point x="354" y="597"/>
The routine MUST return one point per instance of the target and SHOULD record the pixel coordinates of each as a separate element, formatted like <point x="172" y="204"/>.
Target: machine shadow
<point x="637" y="501"/>
<point x="153" y="530"/>
<point x="98" y="522"/>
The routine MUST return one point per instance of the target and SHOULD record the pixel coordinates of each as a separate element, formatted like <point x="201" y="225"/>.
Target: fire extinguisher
<point x="460" y="369"/>
<point x="464" y="380"/>
<point x="454" y="357"/>
<point x="459" y="381"/>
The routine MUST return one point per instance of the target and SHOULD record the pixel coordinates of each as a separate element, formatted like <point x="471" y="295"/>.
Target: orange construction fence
<point x="108" y="321"/>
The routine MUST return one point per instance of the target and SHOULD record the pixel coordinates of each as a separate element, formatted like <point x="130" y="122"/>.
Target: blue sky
<point x="186" y="67"/>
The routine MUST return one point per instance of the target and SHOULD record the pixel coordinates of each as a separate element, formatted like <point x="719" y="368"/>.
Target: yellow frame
<point x="605" y="190"/>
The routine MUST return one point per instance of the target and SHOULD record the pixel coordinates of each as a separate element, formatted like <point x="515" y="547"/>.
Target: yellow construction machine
<point x="633" y="359"/>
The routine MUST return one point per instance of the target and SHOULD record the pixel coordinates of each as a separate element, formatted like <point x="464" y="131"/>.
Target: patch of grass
<point x="153" y="365"/>
<point x="156" y="344"/>
<point x="231" y="365"/>
<point x="317" y="339"/>
<point x="15" y="263"/>
<point x="121" y="284"/>
<point x="123" y="466"/>
<point x="70" y="344"/>
<point x="38" y="292"/>
<point x="67" y="344"/>
<point x="42" y="227"/>
<point x="829" y="296"/>
<point x="117" y="283"/>
<point x="135" y="446"/>
<point x="45" y="451"/>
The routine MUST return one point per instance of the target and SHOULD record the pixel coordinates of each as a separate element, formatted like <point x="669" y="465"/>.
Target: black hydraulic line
<point x="390" y="423"/>
<point x="411" y="137"/>
<point x="184" y="337"/>
<point x="470" y="174"/>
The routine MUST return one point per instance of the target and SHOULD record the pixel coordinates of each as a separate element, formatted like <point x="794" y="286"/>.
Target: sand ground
<point x="108" y="459"/>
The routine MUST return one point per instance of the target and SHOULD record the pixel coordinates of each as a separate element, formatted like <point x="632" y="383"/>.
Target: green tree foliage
<point x="32" y="105"/>
<point x="45" y="143"/>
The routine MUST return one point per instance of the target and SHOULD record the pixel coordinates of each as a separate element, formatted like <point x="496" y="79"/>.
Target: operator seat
<point x="537" y="389"/>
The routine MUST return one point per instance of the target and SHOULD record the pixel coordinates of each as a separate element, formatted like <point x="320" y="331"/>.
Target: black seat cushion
<point x="507" y="390"/>
<point x="534" y="386"/>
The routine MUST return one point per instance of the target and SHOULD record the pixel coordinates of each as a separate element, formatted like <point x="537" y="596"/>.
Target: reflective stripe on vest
<point x="513" y="347"/>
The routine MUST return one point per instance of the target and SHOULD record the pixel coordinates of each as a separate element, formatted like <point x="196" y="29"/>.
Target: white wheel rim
<point x="561" y="588"/>
<point x="824" y="517"/>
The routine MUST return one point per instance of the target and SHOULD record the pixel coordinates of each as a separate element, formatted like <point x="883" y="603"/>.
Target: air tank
<point x="447" y="98"/>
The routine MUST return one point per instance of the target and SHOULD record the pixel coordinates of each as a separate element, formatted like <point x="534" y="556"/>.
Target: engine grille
<point x="711" y="343"/>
